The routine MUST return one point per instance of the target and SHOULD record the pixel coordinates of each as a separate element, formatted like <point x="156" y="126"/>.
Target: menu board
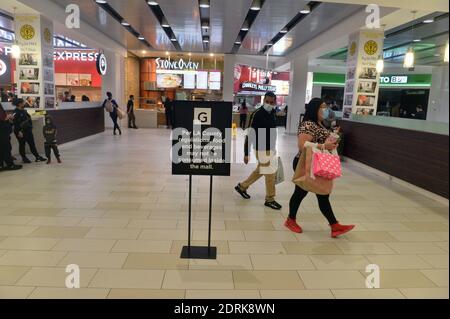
<point x="169" y="81"/>
<point x="215" y="79"/>
<point x="189" y="81"/>
<point x="202" y="80"/>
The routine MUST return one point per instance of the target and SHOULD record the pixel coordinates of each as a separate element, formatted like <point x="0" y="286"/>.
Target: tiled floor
<point x="114" y="209"/>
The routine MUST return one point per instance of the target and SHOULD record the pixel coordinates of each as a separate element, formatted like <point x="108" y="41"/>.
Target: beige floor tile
<point x="222" y="294"/>
<point x="155" y="261"/>
<point x="405" y="278"/>
<point x="64" y="293"/>
<point x="426" y="226"/>
<point x="53" y="277"/>
<point x="415" y="248"/>
<point x="235" y="235"/>
<point x="198" y="279"/>
<point x="269" y="236"/>
<point x="11" y="292"/>
<point x="117" y="206"/>
<point x="384" y="226"/>
<point x="104" y="222"/>
<point x="443" y="245"/>
<point x="221" y="245"/>
<point x="398" y="262"/>
<point x="94" y="259"/>
<point x="152" y="224"/>
<point x="369" y="236"/>
<point x="113" y="233"/>
<point x="142" y="246"/>
<point x="60" y="232"/>
<point x="281" y="262"/>
<point x="129" y="194"/>
<point x="311" y="248"/>
<point x="36" y="211"/>
<point x="146" y="294"/>
<point x="81" y="212"/>
<point x="55" y="221"/>
<point x="438" y="276"/>
<point x="414" y="236"/>
<point x="128" y="279"/>
<point x="14" y="220"/>
<point x="332" y="279"/>
<point x="339" y="262"/>
<point x="437" y="261"/>
<point x="203" y="224"/>
<point x="31" y="258"/>
<point x="164" y="234"/>
<point x="267" y="280"/>
<point x="367" y="294"/>
<point x="247" y="247"/>
<point x="223" y="262"/>
<point x="9" y="275"/>
<point x="361" y="248"/>
<point x="249" y="225"/>
<point x="425" y="293"/>
<point x="296" y="294"/>
<point x="24" y="243"/>
<point x="9" y="230"/>
<point x="86" y="245"/>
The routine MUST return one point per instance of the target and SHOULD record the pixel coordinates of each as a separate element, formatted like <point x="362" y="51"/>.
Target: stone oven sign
<point x="168" y="64"/>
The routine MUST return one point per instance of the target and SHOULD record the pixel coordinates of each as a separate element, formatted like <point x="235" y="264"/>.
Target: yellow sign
<point x="353" y="48"/>
<point x="27" y="32"/>
<point x="47" y="35"/>
<point x="234" y="130"/>
<point x="371" y="47"/>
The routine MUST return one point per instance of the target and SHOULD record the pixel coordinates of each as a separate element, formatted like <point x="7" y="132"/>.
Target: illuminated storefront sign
<point x="167" y="64"/>
<point x="394" y="79"/>
<point x="258" y="87"/>
<point x="75" y="56"/>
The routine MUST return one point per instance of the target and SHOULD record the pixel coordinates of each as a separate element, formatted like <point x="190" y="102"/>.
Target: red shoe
<point x="338" y="229"/>
<point x="293" y="226"/>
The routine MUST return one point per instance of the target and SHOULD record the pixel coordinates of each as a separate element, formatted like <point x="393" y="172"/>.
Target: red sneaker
<point x="338" y="229"/>
<point x="293" y="226"/>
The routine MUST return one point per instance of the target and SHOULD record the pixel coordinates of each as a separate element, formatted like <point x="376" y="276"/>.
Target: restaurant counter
<point x="414" y="151"/>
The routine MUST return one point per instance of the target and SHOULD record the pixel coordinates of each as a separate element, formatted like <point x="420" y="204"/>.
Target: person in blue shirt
<point x="111" y="106"/>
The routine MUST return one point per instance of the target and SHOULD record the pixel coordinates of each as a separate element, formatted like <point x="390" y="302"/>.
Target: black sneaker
<point x="25" y="160"/>
<point x="241" y="192"/>
<point x="40" y="159"/>
<point x="273" y="205"/>
<point x="13" y="167"/>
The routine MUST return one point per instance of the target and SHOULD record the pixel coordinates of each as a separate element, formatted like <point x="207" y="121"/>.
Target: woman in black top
<point x="6" y="160"/>
<point x="312" y="130"/>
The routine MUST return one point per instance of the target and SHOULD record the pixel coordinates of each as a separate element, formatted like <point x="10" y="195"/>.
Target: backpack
<point x="109" y="106"/>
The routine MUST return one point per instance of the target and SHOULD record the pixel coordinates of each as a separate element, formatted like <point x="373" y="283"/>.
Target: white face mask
<point x="268" y="107"/>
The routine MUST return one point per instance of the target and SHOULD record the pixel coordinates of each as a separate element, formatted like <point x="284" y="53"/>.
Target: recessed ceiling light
<point x="284" y="30"/>
<point x="205" y="25"/>
<point x="167" y="52"/>
<point x="125" y="24"/>
<point x="256" y="5"/>
<point x="141" y="37"/>
<point x="205" y="40"/>
<point x="190" y="54"/>
<point x="437" y="54"/>
<point x="238" y="40"/>
<point x="428" y="21"/>
<point x="144" y="52"/>
<point x="152" y="3"/>
<point x="269" y="44"/>
<point x="245" y="26"/>
<point x="173" y="39"/>
<point x="165" y="23"/>
<point x="211" y="54"/>
<point x="100" y="1"/>
<point x="204" y="4"/>
<point x="417" y="40"/>
<point x="306" y="9"/>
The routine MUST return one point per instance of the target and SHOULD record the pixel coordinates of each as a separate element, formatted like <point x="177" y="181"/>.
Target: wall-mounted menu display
<point x="202" y="80"/>
<point x="169" y="81"/>
<point x="189" y="81"/>
<point x="215" y="79"/>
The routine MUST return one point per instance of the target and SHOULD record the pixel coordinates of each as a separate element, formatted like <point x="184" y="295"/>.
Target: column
<point x="297" y="96"/>
<point x="228" y="77"/>
<point x="35" y="67"/>
<point x="438" y="101"/>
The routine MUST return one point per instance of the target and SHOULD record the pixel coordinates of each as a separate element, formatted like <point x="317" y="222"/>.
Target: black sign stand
<point x="197" y="252"/>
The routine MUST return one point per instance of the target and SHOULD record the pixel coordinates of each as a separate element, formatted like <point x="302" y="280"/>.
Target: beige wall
<point x="132" y="72"/>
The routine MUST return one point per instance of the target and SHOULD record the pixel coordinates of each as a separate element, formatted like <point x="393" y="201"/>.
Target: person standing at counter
<point x="168" y="110"/>
<point x="23" y="129"/>
<point x="6" y="160"/>
<point x="312" y="130"/>
<point x="243" y="111"/>
<point x="111" y="106"/>
<point x="420" y="113"/>
<point x="130" y="112"/>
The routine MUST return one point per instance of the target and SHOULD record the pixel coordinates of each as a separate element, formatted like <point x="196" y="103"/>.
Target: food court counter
<point x="414" y="151"/>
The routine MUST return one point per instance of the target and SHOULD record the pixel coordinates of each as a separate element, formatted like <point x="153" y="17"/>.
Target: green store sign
<point x="386" y="80"/>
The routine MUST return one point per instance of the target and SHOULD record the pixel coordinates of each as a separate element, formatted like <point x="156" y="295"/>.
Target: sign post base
<point x="195" y="252"/>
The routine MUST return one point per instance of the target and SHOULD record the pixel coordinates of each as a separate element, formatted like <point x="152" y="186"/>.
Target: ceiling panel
<point x="274" y="15"/>
<point x="184" y="18"/>
<point x="227" y="18"/>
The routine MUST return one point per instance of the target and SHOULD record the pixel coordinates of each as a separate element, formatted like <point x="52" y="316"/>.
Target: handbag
<point x="120" y="113"/>
<point x="109" y="106"/>
<point x="305" y="179"/>
<point x="326" y="164"/>
<point x="280" y="172"/>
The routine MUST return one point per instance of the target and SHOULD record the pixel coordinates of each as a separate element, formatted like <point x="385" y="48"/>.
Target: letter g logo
<point x="202" y="116"/>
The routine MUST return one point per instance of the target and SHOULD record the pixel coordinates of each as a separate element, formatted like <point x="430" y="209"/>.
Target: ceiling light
<point x="164" y="23"/>
<point x="446" y="53"/>
<point x="152" y="3"/>
<point x="205" y="25"/>
<point x="141" y="37"/>
<point x="190" y="54"/>
<point x="100" y="1"/>
<point x="173" y="39"/>
<point x="306" y="9"/>
<point x="408" y="63"/>
<point x="269" y="44"/>
<point x="417" y="40"/>
<point x="206" y="39"/>
<point x="125" y="24"/>
<point x="428" y="20"/>
<point x="256" y="5"/>
<point x="204" y="4"/>
<point x="211" y="54"/>
<point x="238" y="40"/>
<point x="144" y="52"/>
<point x="245" y="26"/>
<point x="284" y="30"/>
<point x="380" y="64"/>
<point x="167" y="52"/>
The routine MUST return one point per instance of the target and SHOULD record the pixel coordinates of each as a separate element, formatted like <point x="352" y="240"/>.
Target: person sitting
<point x="72" y="98"/>
<point x="85" y="98"/>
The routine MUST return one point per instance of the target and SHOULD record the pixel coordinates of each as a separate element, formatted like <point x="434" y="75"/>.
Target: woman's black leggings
<point x="300" y="194"/>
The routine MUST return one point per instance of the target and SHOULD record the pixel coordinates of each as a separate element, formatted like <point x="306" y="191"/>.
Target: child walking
<point x="50" y="140"/>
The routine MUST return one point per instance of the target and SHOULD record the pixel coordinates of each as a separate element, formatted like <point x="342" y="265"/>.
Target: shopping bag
<point x="326" y="164"/>
<point x="304" y="178"/>
<point x="109" y="106"/>
<point x="120" y="113"/>
<point x="280" y="172"/>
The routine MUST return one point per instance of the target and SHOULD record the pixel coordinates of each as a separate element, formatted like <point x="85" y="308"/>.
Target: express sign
<point x="75" y="56"/>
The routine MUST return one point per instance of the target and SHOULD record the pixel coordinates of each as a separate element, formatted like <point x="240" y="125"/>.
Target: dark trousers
<point x="243" y="121"/>
<point x="48" y="150"/>
<point x="131" y="120"/>
<point x="27" y="138"/>
<point x="300" y="194"/>
<point x="5" y="151"/>
<point x="114" y="118"/>
<point x="168" y="119"/>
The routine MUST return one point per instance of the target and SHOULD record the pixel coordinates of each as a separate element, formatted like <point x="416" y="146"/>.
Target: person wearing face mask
<point x="263" y="123"/>
<point x="328" y="114"/>
<point x="312" y="130"/>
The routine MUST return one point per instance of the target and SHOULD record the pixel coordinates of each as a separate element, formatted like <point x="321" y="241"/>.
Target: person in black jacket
<point x="23" y="129"/>
<point x="263" y="123"/>
<point x="130" y="112"/>
<point x="168" y="106"/>
<point x="50" y="144"/>
<point x="6" y="160"/>
<point x="113" y="111"/>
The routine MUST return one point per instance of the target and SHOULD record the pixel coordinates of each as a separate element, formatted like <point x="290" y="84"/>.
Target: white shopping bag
<point x="280" y="172"/>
